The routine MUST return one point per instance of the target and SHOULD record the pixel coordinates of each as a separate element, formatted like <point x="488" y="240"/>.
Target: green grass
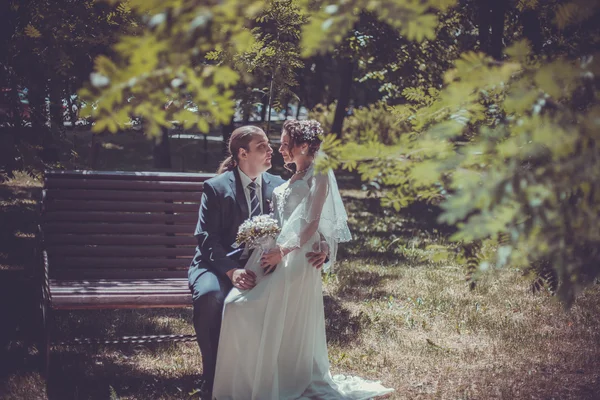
<point x="394" y="311"/>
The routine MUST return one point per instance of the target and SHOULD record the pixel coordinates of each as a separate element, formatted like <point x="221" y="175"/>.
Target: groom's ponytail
<point x="227" y="164"/>
<point x="240" y="139"/>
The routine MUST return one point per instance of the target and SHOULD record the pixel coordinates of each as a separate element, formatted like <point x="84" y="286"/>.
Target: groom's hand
<point x="242" y="278"/>
<point x="318" y="257"/>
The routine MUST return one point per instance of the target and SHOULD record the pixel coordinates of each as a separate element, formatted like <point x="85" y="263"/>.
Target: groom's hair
<point x="240" y="139"/>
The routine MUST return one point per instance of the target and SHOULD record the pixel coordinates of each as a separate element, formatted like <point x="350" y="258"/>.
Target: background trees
<point x="508" y="146"/>
<point x="48" y="50"/>
<point x="487" y="109"/>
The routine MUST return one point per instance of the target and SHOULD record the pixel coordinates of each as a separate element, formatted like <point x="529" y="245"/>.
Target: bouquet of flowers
<point x="258" y="232"/>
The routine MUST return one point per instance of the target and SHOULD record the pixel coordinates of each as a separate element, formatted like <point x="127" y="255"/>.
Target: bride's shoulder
<point x="319" y="178"/>
<point x="281" y="188"/>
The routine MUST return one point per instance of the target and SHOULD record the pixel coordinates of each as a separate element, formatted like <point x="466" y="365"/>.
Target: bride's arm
<point x="311" y="214"/>
<point x="308" y="219"/>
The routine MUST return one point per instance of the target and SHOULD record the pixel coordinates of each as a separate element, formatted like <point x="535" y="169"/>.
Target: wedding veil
<point x="322" y="211"/>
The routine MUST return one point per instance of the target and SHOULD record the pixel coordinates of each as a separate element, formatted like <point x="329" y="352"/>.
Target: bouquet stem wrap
<point x="259" y="234"/>
<point x="264" y="244"/>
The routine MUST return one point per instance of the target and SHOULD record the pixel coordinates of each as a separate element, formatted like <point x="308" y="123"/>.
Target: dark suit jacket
<point x="222" y="210"/>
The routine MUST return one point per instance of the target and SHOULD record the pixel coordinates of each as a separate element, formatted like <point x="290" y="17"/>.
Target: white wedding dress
<point x="272" y="343"/>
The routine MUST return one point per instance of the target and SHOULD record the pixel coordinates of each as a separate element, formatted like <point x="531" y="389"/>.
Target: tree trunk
<point x="484" y="18"/>
<point x="226" y="130"/>
<point x="56" y="109"/>
<point x="491" y="17"/>
<point x="323" y="92"/>
<point x="37" y="105"/>
<point x="162" y="151"/>
<point x="37" y="93"/>
<point x="497" y="23"/>
<point x="16" y="108"/>
<point x="245" y="114"/>
<point x="298" y="110"/>
<point x="346" y="68"/>
<point x="94" y="152"/>
<point x="532" y="29"/>
<point x="263" y="112"/>
<point x="71" y="104"/>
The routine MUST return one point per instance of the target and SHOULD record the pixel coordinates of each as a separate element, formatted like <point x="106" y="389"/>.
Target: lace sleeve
<point x="321" y="210"/>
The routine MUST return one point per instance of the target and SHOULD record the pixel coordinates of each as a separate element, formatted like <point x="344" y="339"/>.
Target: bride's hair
<point x="301" y="132"/>
<point x="240" y="139"/>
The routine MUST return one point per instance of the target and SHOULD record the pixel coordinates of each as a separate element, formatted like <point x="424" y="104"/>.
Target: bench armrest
<point x="47" y="295"/>
<point x="42" y="255"/>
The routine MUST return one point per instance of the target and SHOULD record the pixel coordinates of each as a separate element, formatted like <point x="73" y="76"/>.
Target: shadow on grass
<point x="364" y="285"/>
<point x="19" y="309"/>
<point x="85" y="372"/>
<point x="341" y="327"/>
<point x="18" y="221"/>
<point x="104" y="323"/>
<point x="81" y="375"/>
<point x="19" y="327"/>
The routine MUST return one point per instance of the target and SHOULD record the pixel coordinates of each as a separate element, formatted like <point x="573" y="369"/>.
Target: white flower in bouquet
<point x="259" y="231"/>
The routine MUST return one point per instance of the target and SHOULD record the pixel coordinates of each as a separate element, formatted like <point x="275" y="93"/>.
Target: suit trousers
<point x="209" y="291"/>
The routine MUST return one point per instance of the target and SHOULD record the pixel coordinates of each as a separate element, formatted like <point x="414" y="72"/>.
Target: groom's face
<point x="259" y="153"/>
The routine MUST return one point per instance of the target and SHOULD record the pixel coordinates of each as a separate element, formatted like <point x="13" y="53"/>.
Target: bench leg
<point x="45" y="350"/>
<point x="46" y="314"/>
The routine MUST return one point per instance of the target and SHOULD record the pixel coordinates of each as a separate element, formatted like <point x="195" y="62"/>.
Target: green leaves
<point x="329" y="24"/>
<point x="226" y="77"/>
<point x="519" y="51"/>
<point x="509" y="149"/>
<point x="327" y="27"/>
<point x="32" y="31"/>
<point x="557" y="79"/>
<point x="421" y="28"/>
<point x="160" y="66"/>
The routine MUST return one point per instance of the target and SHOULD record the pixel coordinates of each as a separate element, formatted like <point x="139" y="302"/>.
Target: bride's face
<point x="284" y="148"/>
<point x="295" y="154"/>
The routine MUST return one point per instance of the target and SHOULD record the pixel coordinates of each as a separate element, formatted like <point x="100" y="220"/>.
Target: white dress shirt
<point x="245" y="182"/>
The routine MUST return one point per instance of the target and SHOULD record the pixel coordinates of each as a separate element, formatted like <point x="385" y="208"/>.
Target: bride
<point x="272" y="343"/>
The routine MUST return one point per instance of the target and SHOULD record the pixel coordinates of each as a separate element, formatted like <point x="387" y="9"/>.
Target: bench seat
<point x="122" y="293"/>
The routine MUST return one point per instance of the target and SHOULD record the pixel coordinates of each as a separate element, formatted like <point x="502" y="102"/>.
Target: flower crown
<point x="311" y="130"/>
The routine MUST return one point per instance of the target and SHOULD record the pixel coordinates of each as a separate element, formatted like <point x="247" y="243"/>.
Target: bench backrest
<point x="120" y="224"/>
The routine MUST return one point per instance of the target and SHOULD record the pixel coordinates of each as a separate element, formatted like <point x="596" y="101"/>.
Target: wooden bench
<point x="114" y="240"/>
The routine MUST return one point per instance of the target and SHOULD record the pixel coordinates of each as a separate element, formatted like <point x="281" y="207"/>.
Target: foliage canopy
<point x="504" y="146"/>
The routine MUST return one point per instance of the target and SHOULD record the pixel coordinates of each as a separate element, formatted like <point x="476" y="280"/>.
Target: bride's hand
<point x="270" y="259"/>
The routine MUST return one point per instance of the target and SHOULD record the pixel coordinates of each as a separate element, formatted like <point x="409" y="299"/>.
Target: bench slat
<point x="116" y="239"/>
<point x="125" y="185"/>
<point x="106" y="216"/>
<point x="124" y="195"/>
<point x="128" y="175"/>
<point x="119" y="251"/>
<point x="115" y="273"/>
<point x="73" y="227"/>
<point x="110" y="287"/>
<point x="118" y="263"/>
<point x="67" y="302"/>
<point x="120" y="239"/>
<point x="109" y="283"/>
<point x="99" y="205"/>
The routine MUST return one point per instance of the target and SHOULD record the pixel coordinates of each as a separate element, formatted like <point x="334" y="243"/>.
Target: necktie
<point x="254" y="203"/>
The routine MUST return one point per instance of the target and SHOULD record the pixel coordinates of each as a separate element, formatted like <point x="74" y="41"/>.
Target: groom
<point x="242" y="190"/>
